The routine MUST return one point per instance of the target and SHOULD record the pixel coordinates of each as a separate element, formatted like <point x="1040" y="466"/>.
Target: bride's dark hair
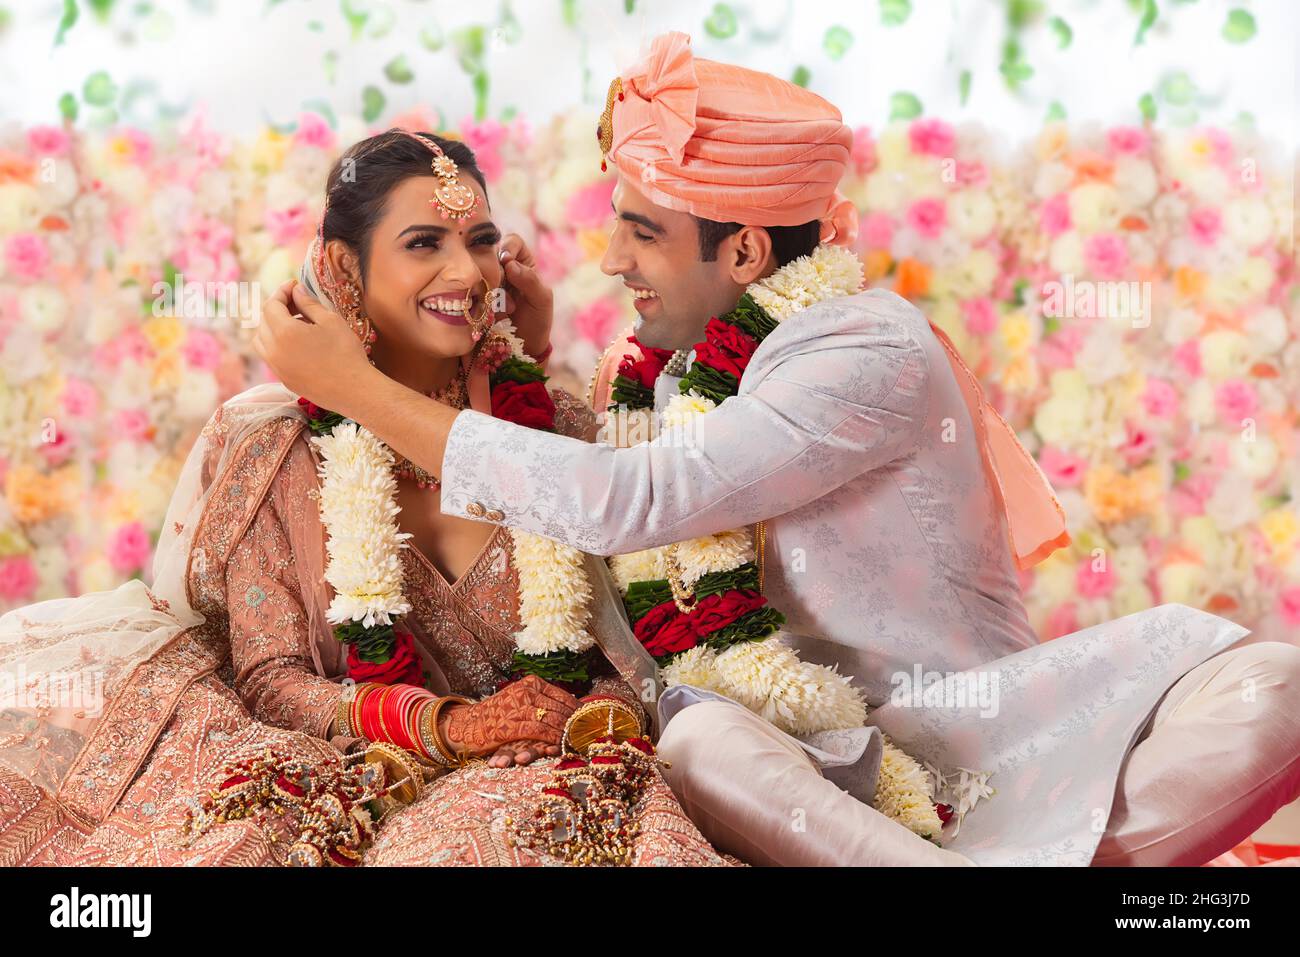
<point x="361" y="180"/>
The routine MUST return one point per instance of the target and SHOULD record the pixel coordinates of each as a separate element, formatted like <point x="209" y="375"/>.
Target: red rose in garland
<point x="402" y="668"/>
<point x="718" y="611"/>
<point x="524" y="403"/>
<point x="645" y="370"/>
<point x="664" y="630"/>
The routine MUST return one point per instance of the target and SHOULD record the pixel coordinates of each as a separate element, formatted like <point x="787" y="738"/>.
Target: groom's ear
<point x="750" y="254"/>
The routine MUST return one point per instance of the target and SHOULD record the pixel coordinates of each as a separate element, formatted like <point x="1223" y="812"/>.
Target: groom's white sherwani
<point x="889" y="557"/>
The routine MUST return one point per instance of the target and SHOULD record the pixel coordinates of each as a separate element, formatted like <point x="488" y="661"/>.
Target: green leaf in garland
<point x="67" y="21"/>
<point x="630" y="393"/>
<point x="372" y="103"/>
<point x="1149" y="13"/>
<point x="752" y="626"/>
<point x="99" y="90"/>
<point x="398" y="70"/>
<point x="894" y="13"/>
<point x="963" y="86"/>
<point x="1055" y="112"/>
<point x="713" y="384"/>
<point x="1147" y="104"/>
<point x="904" y="106"/>
<point x="721" y="24"/>
<point x="557" y="667"/>
<point x="1064" y="35"/>
<point x="515" y="369"/>
<point x="801" y="76"/>
<point x="1240" y="26"/>
<point x="68" y="106"/>
<point x="837" y="42"/>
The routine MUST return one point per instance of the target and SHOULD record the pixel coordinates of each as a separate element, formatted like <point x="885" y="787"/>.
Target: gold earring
<point x="350" y="307"/>
<point x="484" y="321"/>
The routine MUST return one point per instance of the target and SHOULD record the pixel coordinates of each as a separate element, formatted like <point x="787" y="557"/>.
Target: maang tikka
<point x="451" y="198"/>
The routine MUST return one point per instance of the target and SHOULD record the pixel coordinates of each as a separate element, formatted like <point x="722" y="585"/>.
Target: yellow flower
<point x="34" y="496"/>
<point x="1115" y="497"/>
<point x="1020" y="375"/>
<point x="1016" y="333"/>
<point x="1279" y="527"/>
<point x="164" y="332"/>
<point x="270" y="149"/>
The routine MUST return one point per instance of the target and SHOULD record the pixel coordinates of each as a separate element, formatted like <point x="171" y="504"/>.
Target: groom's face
<point x="656" y="251"/>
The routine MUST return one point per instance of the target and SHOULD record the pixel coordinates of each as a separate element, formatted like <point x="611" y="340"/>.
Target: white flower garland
<point x="359" y="510"/>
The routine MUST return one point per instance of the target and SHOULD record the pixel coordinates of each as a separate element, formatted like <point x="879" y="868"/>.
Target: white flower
<point x="714" y="553"/>
<point x="553" y="596"/>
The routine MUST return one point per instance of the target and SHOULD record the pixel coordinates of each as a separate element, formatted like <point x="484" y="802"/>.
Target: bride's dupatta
<point x="87" y="684"/>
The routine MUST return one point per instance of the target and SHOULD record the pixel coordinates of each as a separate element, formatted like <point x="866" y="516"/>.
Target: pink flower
<point x="864" y="150"/>
<point x="59" y="451"/>
<point x="589" y="207"/>
<point x="141" y="146"/>
<point x="971" y="173"/>
<point x="1236" y="400"/>
<point x="1054" y="215"/>
<point x="17" y="578"/>
<point x="48" y="140"/>
<point x="1188" y="356"/>
<point x="1159" y="398"/>
<point x="128" y="547"/>
<point x="1205" y="225"/>
<point x="486" y="140"/>
<point x="27" y="256"/>
<point x="1059" y="349"/>
<point x="595" y="322"/>
<point x="202" y="350"/>
<point x="1094" y="583"/>
<point x="981" y="316"/>
<point x="1063" y="469"/>
<point x="313" y="130"/>
<point x="1189" y="496"/>
<point x="80" y="398"/>
<point x="1138" y="444"/>
<point x="1127" y="139"/>
<point x="932" y="137"/>
<point x="556" y="253"/>
<point x="1106" y="255"/>
<point x="928" y="217"/>
<point x="877" y="231"/>
<point x="1220" y="144"/>
<point x="1288" y="605"/>
<point x="132" y="424"/>
<point x="286" y="225"/>
<point x="1062" y="621"/>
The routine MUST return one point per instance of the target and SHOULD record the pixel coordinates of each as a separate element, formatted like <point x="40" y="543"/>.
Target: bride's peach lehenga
<point x="259" y="671"/>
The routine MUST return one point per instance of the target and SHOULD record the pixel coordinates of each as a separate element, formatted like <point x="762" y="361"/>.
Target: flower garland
<point x="695" y="605"/>
<point x="359" y="511"/>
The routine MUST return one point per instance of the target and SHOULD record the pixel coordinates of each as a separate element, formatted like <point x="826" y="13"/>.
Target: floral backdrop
<point x="1169" y="431"/>
<point x="1169" y="435"/>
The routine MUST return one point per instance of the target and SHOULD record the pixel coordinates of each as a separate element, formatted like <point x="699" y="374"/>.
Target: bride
<point x="305" y="683"/>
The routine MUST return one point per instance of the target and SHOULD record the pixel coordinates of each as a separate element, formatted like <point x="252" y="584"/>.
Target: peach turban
<point x="729" y="144"/>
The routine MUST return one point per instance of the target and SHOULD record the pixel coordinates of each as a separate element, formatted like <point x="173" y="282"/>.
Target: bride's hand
<point x="521" y="753"/>
<point x="529" y="301"/>
<point x="525" y="714"/>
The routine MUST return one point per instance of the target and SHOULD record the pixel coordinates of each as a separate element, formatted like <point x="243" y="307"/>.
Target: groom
<point x="895" y="515"/>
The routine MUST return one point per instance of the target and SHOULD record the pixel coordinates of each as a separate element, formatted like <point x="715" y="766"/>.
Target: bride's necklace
<point x="455" y="394"/>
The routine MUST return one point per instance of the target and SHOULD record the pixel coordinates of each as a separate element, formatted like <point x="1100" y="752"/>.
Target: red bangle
<point x="545" y="353"/>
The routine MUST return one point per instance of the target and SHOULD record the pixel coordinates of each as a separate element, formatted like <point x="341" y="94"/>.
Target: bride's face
<point x="423" y="269"/>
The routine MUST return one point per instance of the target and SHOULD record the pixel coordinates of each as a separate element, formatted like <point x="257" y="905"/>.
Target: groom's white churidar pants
<point x="1211" y="766"/>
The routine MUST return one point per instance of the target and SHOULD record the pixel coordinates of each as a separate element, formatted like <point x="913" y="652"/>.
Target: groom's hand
<point x="529" y="301"/>
<point x="318" y="355"/>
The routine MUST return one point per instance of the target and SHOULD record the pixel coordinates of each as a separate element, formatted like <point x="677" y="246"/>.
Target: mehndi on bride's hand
<point x="525" y="716"/>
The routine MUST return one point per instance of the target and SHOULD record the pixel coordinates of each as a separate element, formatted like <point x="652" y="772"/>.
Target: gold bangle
<point x="444" y="749"/>
<point x="390" y="756"/>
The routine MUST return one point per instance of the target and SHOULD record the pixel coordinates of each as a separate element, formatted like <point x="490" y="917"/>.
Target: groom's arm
<point x="849" y="396"/>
